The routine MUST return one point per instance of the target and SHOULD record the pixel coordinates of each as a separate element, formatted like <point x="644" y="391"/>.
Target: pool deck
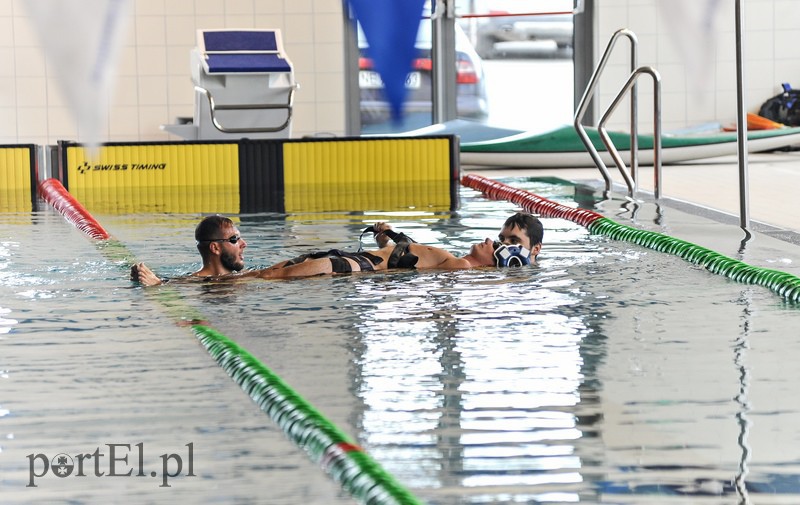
<point x="773" y="179"/>
<point x="700" y="204"/>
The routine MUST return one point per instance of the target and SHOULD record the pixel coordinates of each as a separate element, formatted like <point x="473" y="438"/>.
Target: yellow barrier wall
<point x="176" y="178"/>
<point x="300" y="175"/>
<point x="368" y="174"/>
<point x="17" y="176"/>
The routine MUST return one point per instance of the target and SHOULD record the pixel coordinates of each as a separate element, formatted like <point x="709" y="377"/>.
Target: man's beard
<point x="229" y="261"/>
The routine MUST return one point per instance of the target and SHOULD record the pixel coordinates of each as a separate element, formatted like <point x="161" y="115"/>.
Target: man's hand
<point x="143" y="275"/>
<point x="380" y="238"/>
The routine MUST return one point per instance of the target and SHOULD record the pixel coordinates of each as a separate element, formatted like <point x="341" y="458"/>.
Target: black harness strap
<point x="401" y="257"/>
<point x="340" y="265"/>
<point x="397" y="237"/>
<point x="361" y="258"/>
<point x="376" y="260"/>
<point x="365" y="260"/>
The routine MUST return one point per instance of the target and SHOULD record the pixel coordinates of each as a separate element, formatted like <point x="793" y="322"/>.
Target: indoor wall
<point x="695" y="57"/>
<point x="692" y="44"/>
<point x="153" y="84"/>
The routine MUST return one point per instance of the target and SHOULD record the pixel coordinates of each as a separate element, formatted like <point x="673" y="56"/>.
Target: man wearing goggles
<point x="221" y="247"/>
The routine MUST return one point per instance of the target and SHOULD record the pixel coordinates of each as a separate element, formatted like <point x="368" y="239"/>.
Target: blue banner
<point x="390" y="27"/>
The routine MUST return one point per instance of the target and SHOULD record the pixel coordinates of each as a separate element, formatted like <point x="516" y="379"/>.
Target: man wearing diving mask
<point x="519" y="241"/>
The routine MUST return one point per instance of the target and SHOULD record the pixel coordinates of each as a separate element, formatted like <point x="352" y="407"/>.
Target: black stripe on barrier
<point x="455" y="172"/>
<point x="261" y="176"/>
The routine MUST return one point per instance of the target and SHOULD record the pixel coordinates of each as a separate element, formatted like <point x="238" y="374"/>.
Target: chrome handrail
<point x="741" y="126"/>
<point x="213" y="106"/>
<point x="612" y="149"/>
<point x="588" y="94"/>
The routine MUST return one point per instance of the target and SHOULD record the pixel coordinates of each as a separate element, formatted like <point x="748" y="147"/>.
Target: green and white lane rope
<point x="784" y="284"/>
<point x="327" y="445"/>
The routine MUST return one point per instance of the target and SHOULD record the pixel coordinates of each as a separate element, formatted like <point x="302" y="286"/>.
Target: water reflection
<point x="610" y="373"/>
<point x="471" y="379"/>
<point x="6" y="323"/>
<point x="742" y="398"/>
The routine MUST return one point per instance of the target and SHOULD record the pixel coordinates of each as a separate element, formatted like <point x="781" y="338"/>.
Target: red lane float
<point x="57" y="195"/>
<point x="529" y="201"/>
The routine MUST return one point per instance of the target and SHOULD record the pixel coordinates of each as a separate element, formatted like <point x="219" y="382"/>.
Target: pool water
<point x="608" y="374"/>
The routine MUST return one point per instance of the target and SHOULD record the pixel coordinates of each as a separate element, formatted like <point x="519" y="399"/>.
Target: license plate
<point x="368" y="79"/>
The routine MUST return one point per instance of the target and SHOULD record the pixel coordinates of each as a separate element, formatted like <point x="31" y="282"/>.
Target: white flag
<point x="81" y="39"/>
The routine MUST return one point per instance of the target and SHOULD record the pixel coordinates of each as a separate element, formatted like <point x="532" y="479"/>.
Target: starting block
<point x="243" y="86"/>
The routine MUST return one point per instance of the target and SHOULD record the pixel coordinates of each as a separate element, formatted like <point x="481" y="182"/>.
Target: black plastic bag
<point x="783" y="108"/>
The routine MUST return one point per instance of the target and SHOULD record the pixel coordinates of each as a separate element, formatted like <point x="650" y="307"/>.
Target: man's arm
<point x="434" y="257"/>
<point x="142" y="274"/>
<point x="307" y="268"/>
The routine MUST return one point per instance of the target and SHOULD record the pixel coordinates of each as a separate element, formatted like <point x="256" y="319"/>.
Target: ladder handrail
<point x="601" y="128"/>
<point x="588" y="94"/>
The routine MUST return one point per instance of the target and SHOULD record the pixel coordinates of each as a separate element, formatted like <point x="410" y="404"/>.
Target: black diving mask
<point x="511" y="255"/>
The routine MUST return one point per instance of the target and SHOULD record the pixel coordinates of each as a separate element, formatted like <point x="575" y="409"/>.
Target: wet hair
<point x="531" y="224"/>
<point x="209" y="228"/>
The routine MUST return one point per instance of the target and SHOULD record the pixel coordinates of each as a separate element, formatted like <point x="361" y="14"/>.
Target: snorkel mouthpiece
<point x="511" y="255"/>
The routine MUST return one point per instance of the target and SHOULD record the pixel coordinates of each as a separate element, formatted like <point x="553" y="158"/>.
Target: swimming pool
<point x="609" y="374"/>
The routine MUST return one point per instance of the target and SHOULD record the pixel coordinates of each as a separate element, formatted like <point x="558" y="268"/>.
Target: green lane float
<point x="784" y="284"/>
<point x="338" y="455"/>
<point x="325" y="444"/>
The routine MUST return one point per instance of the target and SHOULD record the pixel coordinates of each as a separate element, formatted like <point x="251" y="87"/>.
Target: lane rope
<point x="325" y="444"/>
<point x="340" y="457"/>
<point x="784" y="284"/>
<point x="57" y="195"/>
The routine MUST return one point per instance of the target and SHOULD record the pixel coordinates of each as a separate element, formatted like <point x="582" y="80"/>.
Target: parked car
<point x="504" y="34"/>
<point x="518" y="27"/>
<point x="471" y="98"/>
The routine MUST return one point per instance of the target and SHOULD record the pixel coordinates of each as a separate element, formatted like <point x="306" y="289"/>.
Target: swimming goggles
<point x="233" y="240"/>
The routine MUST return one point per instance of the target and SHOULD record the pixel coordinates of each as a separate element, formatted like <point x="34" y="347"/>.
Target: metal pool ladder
<point x="629" y="86"/>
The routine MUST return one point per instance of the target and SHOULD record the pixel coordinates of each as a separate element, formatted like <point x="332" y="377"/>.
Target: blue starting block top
<point x="243" y="51"/>
<point x="240" y="63"/>
<point x="240" y="40"/>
